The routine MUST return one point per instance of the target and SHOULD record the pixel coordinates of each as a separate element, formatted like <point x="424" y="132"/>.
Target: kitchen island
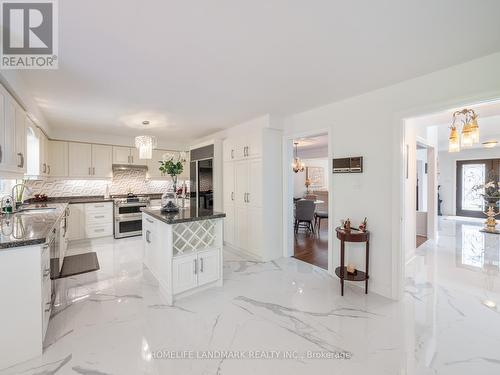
<point x="183" y="250"/>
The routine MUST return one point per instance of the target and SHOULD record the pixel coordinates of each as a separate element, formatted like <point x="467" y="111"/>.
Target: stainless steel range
<point x="128" y="216"/>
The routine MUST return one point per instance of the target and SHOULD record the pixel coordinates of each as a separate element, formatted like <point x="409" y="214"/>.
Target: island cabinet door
<point x="208" y="266"/>
<point x="184" y="273"/>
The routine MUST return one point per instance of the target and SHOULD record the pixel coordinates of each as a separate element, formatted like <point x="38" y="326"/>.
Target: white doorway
<point x="310" y="244"/>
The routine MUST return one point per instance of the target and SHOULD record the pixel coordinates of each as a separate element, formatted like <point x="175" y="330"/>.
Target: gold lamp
<point x="454" y="140"/>
<point x="297" y="164"/>
<point x="470" y="130"/>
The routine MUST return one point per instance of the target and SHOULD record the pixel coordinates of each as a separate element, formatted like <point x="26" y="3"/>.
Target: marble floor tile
<point x="280" y="317"/>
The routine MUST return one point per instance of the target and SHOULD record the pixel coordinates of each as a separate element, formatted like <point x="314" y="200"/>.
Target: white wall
<point x="448" y="173"/>
<point x="299" y="179"/>
<point x="371" y="125"/>
<point x="422" y="178"/>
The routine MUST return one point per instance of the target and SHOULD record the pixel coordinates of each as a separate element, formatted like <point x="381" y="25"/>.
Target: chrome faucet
<point x="15" y="196"/>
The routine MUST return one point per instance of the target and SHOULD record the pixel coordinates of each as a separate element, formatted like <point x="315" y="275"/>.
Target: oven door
<point x="128" y="226"/>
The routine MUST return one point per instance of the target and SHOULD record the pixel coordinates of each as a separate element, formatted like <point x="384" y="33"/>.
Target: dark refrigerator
<point x="201" y="178"/>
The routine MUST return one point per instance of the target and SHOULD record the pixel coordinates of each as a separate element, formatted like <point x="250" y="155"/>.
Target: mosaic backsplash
<point x="122" y="182"/>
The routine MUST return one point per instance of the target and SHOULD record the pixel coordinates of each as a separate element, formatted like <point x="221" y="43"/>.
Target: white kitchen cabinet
<point x="255" y="183"/>
<point x="58" y="158"/>
<point x="20" y="119"/>
<point x="241" y="227"/>
<point x="154" y="165"/>
<point x="229" y="226"/>
<point x="43" y="148"/>
<point x="76" y="222"/>
<point x="98" y="219"/>
<point x="228" y="182"/>
<point x="252" y="163"/>
<point x="228" y="149"/>
<point x="90" y="220"/>
<point x="184" y="273"/>
<point x="80" y="159"/>
<point x="9" y="149"/>
<point x="121" y="155"/>
<point x="102" y="161"/>
<point x="240" y="182"/>
<point x="2" y="128"/>
<point x="254" y="230"/>
<point x="127" y="155"/>
<point x="208" y="266"/>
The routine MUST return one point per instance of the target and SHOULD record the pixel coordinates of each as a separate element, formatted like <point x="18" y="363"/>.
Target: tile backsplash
<point x="122" y="182"/>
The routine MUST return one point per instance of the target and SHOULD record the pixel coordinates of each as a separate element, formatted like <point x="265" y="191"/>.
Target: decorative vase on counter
<point x="491" y="212"/>
<point x="174" y="182"/>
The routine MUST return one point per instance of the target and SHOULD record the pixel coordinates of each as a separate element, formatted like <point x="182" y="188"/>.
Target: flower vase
<point x="174" y="183"/>
<point x="491" y="223"/>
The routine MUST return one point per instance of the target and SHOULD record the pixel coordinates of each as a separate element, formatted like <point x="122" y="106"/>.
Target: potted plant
<point x="172" y="166"/>
<point x="491" y="195"/>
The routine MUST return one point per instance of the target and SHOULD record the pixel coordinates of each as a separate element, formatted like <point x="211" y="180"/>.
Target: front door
<point x="471" y="173"/>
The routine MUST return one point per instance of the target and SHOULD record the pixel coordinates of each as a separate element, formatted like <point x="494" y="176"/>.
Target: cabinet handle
<point x="147" y="236"/>
<point x="195" y="266"/>
<point x="44" y="168"/>
<point x="93" y="171"/>
<point x="248" y="197"/>
<point x="149" y="220"/>
<point x="99" y="230"/>
<point x="48" y="169"/>
<point x="89" y="171"/>
<point x="232" y="195"/>
<point x="99" y="216"/>
<point x="1" y="155"/>
<point x="19" y="160"/>
<point x="98" y="205"/>
<point x="201" y="264"/>
<point x="232" y="154"/>
<point x="22" y="160"/>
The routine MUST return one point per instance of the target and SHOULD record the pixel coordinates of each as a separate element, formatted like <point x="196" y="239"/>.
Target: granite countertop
<point x="29" y="228"/>
<point x="74" y="200"/>
<point x="184" y="215"/>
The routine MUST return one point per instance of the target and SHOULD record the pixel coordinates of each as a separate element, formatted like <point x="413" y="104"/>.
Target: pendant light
<point x="145" y="144"/>
<point x="454" y="140"/>
<point x="470" y="131"/>
<point x="297" y="164"/>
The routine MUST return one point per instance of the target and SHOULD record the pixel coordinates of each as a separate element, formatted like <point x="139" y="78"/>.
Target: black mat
<point x="78" y="264"/>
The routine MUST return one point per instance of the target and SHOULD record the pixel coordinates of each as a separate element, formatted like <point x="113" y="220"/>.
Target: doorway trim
<point x="288" y="233"/>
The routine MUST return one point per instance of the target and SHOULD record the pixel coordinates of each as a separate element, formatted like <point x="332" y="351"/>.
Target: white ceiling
<point x="192" y="68"/>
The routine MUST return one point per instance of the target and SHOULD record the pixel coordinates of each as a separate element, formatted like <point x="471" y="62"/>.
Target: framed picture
<point x="317" y="176"/>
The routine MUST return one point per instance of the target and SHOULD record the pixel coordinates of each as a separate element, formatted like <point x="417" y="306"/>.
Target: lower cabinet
<point x="90" y="220"/>
<point x="197" y="269"/>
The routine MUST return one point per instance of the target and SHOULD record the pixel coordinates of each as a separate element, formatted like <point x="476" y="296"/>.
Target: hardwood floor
<point x="313" y="248"/>
<point x="421" y="240"/>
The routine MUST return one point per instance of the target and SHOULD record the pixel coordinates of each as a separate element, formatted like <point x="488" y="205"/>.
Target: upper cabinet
<point x="58" y="158"/>
<point x="12" y="135"/>
<point x="127" y="155"/>
<point x="89" y="160"/>
<point x="240" y="147"/>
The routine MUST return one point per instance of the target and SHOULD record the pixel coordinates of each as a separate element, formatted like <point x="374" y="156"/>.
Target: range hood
<point x="128" y="167"/>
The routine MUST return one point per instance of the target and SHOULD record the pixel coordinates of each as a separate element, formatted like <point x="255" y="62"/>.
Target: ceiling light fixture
<point x="470" y="130"/>
<point x="145" y="144"/>
<point x="297" y="164"/>
<point x="490" y="144"/>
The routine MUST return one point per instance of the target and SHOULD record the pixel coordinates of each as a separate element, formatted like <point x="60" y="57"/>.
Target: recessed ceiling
<point x="192" y="68"/>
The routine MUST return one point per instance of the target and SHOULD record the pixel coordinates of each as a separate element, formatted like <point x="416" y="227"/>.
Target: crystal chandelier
<point x="297" y="164"/>
<point x="470" y="130"/>
<point x="145" y="144"/>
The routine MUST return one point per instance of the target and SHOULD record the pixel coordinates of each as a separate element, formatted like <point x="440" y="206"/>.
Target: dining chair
<point x="304" y="215"/>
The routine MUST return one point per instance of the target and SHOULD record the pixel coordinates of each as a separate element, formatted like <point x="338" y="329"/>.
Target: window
<point x="33" y="152"/>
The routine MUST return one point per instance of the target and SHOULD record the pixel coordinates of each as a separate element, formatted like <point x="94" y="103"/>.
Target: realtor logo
<point x="29" y="34"/>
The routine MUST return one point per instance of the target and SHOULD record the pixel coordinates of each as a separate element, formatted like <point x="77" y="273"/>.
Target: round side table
<point x="341" y="272"/>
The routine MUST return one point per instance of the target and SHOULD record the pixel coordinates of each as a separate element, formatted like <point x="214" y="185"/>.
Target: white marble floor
<point x="113" y="321"/>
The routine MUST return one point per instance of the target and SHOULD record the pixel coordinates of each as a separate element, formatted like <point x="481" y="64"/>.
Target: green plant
<point x="171" y="167"/>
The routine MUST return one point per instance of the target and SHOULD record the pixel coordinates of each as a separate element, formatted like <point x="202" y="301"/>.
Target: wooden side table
<point x="341" y="272"/>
